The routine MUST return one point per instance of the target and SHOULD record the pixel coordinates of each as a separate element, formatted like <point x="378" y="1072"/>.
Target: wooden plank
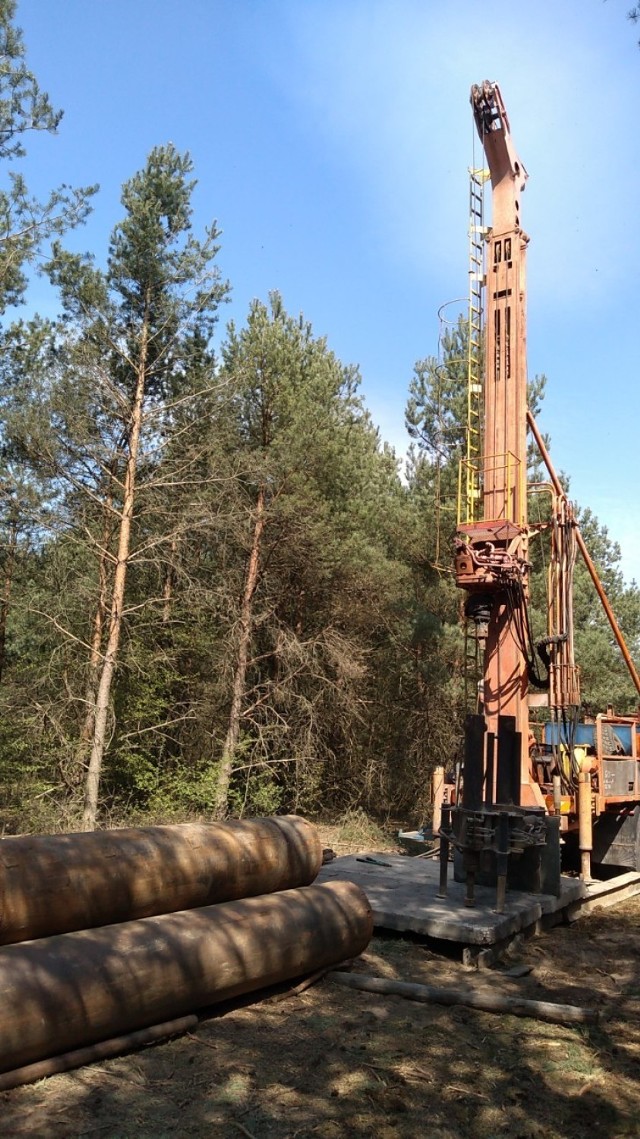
<point x="485" y="1002"/>
<point x="602" y="895"/>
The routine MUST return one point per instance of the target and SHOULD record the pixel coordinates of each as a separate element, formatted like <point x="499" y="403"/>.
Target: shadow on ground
<point x="332" y="1063"/>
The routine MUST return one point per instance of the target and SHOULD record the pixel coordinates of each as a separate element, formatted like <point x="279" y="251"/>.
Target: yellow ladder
<point x="471" y="490"/>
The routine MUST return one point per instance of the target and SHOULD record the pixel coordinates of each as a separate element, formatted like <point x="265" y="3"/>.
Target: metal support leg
<point x="471" y="862"/>
<point x="444" y="852"/>
<point x="502" y="861"/>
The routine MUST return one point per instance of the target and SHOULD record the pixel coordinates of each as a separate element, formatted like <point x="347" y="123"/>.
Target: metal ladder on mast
<point x="471" y="490"/>
<point x="470" y="483"/>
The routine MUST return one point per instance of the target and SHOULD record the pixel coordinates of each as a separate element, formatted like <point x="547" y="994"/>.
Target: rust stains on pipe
<point x="57" y="883"/>
<point x="73" y="990"/>
<point x="557" y="485"/>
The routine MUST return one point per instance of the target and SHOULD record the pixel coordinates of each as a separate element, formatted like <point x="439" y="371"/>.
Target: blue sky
<point x="331" y="141"/>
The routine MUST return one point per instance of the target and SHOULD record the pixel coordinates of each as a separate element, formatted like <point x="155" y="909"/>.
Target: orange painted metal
<point x="492" y="556"/>
<point x="615" y="628"/>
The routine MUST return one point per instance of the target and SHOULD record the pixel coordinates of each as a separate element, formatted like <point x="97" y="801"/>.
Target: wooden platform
<point x="402" y="893"/>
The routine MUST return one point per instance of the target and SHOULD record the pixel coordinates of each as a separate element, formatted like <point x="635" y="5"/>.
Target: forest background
<point x="220" y="592"/>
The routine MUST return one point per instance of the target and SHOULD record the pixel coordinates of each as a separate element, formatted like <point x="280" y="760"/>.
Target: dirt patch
<point x="330" y="1063"/>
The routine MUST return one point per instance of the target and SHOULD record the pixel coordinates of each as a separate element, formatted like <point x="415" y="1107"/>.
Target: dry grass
<point x="355" y="831"/>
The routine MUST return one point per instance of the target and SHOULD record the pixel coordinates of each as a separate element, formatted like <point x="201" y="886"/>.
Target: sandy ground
<point x="331" y="1063"/>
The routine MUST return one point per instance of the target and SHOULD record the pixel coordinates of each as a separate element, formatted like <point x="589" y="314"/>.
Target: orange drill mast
<point x="502" y="811"/>
<point x="519" y="792"/>
<point x="491" y="556"/>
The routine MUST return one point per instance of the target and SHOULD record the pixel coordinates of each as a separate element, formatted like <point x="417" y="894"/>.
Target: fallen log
<point x="116" y="1046"/>
<point x="75" y="989"/>
<point x="486" y="1002"/>
<point x="53" y="884"/>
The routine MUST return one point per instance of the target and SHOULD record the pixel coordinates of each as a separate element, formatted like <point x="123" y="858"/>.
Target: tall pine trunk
<point x="9" y="568"/>
<point x="225" y="771"/>
<point x="110" y="658"/>
<point x="97" y="633"/>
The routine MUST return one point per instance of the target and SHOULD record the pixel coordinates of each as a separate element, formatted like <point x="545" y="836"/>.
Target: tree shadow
<point x="329" y="1062"/>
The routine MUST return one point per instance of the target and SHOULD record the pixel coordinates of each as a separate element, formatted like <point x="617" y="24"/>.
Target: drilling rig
<point x="526" y="789"/>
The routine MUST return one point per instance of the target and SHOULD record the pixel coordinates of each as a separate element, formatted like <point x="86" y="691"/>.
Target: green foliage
<point x="293" y="424"/>
<point x="23" y="106"/>
<point x="26" y="224"/>
<point x="436" y="412"/>
<point x="351" y="688"/>
<point x="604" y="676"/>
<point x="259" y="794"/>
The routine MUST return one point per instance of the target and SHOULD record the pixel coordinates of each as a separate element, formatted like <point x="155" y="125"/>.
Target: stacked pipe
<point x="115" y="932"/>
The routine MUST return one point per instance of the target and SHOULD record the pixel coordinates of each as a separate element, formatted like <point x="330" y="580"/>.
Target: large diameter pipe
<point x="57" y="883"/>
<point x="66" y="992"/>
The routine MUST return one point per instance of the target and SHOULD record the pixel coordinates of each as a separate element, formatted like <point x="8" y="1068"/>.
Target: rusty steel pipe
<point x="585" y="824"/>
<point x="115" y="1046"/>
<point x="57" y="883"/>
<point x="437" y="797"/>
<point x="66" y="992"/>
<point x="557" y="486"/>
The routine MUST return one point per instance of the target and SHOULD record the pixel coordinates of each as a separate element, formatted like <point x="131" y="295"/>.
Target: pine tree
<point x="121" y="380"/>
<point x="26" y="224"/>
<point x="313" y="573"/>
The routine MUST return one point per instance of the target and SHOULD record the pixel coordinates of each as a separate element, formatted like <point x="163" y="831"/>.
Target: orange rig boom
<point x="520" y="791"/>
